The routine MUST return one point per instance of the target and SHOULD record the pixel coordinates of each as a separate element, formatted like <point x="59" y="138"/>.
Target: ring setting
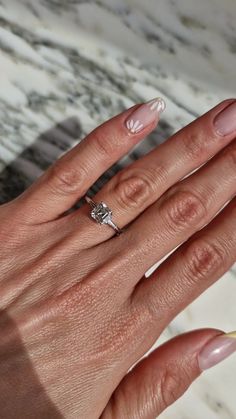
<point x="102" y="214"/>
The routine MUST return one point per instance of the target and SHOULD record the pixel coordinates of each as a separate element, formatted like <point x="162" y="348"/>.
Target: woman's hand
<point x="76" y="308"/>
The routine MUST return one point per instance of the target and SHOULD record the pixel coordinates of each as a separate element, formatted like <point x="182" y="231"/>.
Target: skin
<point x="76" y="309"/>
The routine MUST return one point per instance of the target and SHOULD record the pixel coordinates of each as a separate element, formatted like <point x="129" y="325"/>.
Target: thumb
<point x="162" y="377"/>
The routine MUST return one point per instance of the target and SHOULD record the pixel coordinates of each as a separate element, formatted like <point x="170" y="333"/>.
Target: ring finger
<point x="138" y="186"/>
<point x="184" y="209"/>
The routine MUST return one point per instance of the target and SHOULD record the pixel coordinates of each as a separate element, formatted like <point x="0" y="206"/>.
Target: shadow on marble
<point x="34" y="160"/>
<point x="50" y="145"/>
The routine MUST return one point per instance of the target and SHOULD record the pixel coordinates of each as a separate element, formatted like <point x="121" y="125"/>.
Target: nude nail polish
<point x="225" y="121"/>
<point x="145" y="115"/>
<point x="216" y="350"/>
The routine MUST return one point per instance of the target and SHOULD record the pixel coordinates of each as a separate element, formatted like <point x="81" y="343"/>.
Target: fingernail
<point x="216" y="350"/>
<point x="145" y="115"/>
<point x="225" y="121"/>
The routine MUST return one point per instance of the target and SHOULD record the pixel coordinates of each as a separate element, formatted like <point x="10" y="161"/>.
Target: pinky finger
<point x="162" y="377"/>
<point x="191" y="269"/>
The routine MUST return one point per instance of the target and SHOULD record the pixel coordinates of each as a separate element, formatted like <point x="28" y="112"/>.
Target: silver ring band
<point x="102" y="214"/>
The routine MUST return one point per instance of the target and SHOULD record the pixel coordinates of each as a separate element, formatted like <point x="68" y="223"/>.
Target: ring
<point x="102" y="214"/>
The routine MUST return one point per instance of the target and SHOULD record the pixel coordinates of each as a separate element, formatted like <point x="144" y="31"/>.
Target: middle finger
<point x="184" y="209"/>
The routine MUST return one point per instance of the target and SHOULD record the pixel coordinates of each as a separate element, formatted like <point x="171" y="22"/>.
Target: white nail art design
<point x="158" y="105"/>
<point x="134" y="127"/>
<point x="144" y="115"/>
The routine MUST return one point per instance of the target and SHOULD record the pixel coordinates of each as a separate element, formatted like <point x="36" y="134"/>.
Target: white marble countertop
<point x="74" y="64"/>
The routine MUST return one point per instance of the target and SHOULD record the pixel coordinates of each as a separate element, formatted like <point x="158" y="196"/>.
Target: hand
<point x="77" y="311"/>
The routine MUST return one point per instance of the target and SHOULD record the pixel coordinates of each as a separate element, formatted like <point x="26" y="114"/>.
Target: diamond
<point x="101" y="213"/>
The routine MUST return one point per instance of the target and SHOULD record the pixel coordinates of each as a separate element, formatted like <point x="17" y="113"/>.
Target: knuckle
<point x="196" y="143"/>
<point x="104" y="145"/>
<point x="132" y="192"/>
<point x="171" y="386"/>
<point x="183" y="209"/>
<point x="204" y="258"/>
<point x="135" y="188"/>
<point x="66" y="179"/>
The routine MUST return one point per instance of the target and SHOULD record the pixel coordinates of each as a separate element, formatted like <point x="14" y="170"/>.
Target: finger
<point x="191" y="269"/>
<point x="161" y="378"/>
<point x="68" y="179"/>
<point x="135" y="188"/>
<point x="184" y="209"/>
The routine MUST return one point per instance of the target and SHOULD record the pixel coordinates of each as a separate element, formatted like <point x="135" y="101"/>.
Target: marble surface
<point x="66" y="66"/>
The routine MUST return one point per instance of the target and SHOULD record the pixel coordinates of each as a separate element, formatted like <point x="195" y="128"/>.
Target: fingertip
<point x="146" y="115"/>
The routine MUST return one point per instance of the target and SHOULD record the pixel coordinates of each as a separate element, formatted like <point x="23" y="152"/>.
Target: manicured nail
<point x="225" y="121"/>
<point x="216" y="350"/>
<point x="145" y="115"/>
